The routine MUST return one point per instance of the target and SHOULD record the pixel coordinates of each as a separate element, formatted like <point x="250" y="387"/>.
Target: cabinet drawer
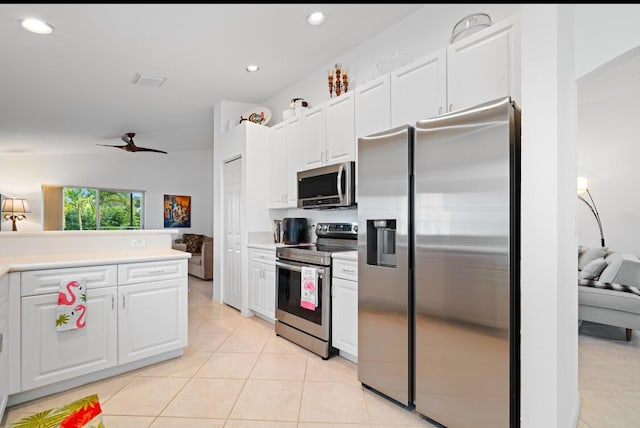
<point x="262" y="256"/>
<point x="48" y="281"/>
<point x="345" y="269"/>
<point x="135" y="273"/>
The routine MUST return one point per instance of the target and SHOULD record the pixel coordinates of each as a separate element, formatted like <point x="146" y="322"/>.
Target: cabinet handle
<point x="326" y="156"/>
<point x="156" y="271"/>
<point x="440" y="110"/>
<point x="123" y="302"/>
<point x="1" y="342"/>
<point x="321" y="157"/>
<point x="450" y="107"/>
<point x="348" y="270"/>
<point x="113" y="302"/>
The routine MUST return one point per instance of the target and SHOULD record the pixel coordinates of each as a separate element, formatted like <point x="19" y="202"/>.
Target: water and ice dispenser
<point x="381" y="243"/>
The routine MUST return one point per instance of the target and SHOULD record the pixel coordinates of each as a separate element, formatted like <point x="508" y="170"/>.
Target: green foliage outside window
<point x="93" y="209"/>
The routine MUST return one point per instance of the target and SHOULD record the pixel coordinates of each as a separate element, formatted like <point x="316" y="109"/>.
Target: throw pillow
<point x="589" y="255"/>
<point x="593" y="269"/>
<point x="609" y="273"/>
<point x="193" y="241"/>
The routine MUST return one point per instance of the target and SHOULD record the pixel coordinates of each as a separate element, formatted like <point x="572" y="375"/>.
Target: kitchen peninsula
<point x="136" y="307"/>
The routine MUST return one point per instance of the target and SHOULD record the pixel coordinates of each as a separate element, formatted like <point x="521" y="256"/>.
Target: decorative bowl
<point x="469" y="25"/>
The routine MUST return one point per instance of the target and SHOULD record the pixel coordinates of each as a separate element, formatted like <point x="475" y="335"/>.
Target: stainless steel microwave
<point x="331" y="186"/>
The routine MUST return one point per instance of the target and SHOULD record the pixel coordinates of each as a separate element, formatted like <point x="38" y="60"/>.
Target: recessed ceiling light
<point x="316" y="18"/>
<point x="37" y="26"/>
<point x="252" y="68"/>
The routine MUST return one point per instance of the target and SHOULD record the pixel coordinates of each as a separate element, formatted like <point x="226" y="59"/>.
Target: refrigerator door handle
<point x="340" y="170"/>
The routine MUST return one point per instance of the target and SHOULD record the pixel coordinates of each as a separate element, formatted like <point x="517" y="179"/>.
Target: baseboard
<point x="84" y="379"/>
<point x="576" y="414"/>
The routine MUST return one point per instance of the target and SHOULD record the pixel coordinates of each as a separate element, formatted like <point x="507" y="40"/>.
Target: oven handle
<point x="296" y="268"/>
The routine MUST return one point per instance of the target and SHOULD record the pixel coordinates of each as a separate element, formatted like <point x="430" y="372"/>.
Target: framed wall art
<point x="177" y="211"/>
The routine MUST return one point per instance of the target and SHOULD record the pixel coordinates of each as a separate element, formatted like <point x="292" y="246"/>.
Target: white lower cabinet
<point x="344" y="308"/>
<point x="152" y="319"/>
<point x="50" y="356"/>
<point x="4" y="354"/>
<point x="141" y="315"/>
<point x="262" y="283"/>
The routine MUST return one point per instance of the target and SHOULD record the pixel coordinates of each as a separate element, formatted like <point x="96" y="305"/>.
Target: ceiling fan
<point x="130" y="145"/>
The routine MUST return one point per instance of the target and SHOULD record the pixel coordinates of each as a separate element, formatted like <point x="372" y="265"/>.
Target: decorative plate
<point x="259" y="114"/>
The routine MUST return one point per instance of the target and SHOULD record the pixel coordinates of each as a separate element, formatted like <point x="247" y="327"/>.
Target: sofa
<point x="201" y="248"/>
<point x="608" y="272"/>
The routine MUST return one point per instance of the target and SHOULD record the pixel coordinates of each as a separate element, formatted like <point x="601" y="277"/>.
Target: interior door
<point x="231" y="275"/>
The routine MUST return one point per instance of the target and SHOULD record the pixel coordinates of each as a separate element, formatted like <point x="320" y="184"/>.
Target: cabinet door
<point x="275" y="167"/>
<point x="4" y="351"/>
<point x="344" y="315"/>
<point x="50" y="356"/>
<point x="256" y="298"/>
<point x="270" y="291"/>
<point x="152" y="319"/>
<point x="313" y="137"/>
<point x="483" y="66"/>
<point x="373" y="106"/>
<point x="293" y="151"/>
<point x="341" y="140"/>
<point x="419" y="90"/>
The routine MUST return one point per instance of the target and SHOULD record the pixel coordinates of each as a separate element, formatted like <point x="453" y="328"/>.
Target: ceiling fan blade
<point x="126" y="139"/>
<point x="126" y="148"/>
<point x="144" y="149"/>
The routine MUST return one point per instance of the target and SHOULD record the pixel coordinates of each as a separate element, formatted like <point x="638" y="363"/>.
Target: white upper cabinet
<point x="276" y="162"/>
<point x="373" y="106"/>
<point x="419" y="90"/>
<point x="314" y="137"/>
<point x="293" y="150"/>
<point x="284" y="162"/>
<point x="328" y="133"/>
<point x="341" y="138"/>
<point x="484" y="66"/>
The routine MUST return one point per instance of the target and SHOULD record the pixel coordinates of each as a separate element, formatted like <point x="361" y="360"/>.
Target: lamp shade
<point x="583" y="185"/>
<point x="15" y="205"/>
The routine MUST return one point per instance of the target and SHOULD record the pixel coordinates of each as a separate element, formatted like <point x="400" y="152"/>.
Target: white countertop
<point x="53" y="261"/>
<point x="346" y="255"/>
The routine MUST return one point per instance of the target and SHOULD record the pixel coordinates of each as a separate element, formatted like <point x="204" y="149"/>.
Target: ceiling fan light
<point x="36" y="26"/>
<point x="252" y="68"/>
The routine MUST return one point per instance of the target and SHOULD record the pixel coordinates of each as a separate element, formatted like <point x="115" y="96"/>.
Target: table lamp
<point x="15" y="209"/>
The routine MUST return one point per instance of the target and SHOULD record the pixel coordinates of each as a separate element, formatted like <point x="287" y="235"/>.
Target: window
<point x="102" y="209"/>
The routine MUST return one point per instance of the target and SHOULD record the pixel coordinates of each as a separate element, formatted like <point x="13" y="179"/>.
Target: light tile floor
<point x="236" y="373"/>
<point x="609" y="377"/>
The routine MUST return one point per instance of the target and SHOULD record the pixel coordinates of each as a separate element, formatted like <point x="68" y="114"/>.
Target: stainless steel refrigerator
<point x="438" y="265"/>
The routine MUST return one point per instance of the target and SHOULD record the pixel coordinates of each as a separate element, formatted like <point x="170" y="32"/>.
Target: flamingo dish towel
<point x="308" y="288"/>
<point x="72" y="304"/>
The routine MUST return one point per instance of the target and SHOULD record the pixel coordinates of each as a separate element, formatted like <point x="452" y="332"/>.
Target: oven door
<point x="288" y="310"/>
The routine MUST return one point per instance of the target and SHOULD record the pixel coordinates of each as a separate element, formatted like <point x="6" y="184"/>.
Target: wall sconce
<point x="15" y="209"/>
<point x="583" y="187"/>
<point x="338" y="80"/>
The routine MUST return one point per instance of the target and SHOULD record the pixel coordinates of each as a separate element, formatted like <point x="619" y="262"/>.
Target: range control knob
<point x="325" y="227"/>
<point x="355" y="228"/>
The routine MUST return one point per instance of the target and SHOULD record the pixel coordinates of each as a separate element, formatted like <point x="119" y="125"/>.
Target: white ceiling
<point x="69" y="90"/>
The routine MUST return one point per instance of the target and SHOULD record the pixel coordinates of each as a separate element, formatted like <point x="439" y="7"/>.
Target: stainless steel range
<point x="310" y="328"/>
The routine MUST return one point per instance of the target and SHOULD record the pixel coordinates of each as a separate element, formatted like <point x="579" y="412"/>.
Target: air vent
<point x="147" y="80"/>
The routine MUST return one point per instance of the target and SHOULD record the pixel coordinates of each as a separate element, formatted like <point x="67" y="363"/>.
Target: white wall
<point x="178" y="173"/>
<point x="608" y="153"/>
<point x="549" y="293"/>
<point x="417" y="35"/>
<point x="604" y="33"/>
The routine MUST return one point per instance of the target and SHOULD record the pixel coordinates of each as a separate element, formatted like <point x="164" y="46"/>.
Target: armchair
<point x="201" y="248"/>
